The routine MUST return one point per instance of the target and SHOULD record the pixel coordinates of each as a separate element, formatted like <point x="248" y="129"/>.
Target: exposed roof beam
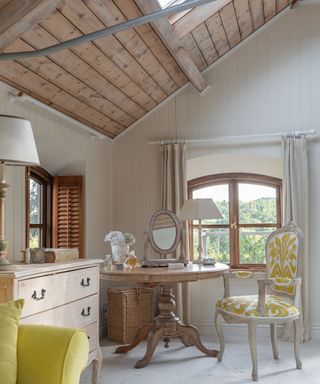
<point x="16" y="17"/>
<point x="171" y="41"/>
<point x="197" y="16"/>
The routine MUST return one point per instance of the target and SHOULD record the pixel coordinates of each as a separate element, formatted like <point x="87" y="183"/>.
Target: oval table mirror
<point x="164" y="236"/>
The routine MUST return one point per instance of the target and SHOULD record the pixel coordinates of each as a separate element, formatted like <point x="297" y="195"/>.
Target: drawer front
<point x="78" y="314"/>
<point x="92" y="333"/>
<point x="45" y="292"/>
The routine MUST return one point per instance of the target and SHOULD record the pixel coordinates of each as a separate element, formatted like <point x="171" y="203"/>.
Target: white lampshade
<point x="17" y="145"/>
<point x="198" y="209"/>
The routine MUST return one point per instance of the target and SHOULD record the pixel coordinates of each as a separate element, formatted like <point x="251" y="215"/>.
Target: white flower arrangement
<point x="119" y="238"/>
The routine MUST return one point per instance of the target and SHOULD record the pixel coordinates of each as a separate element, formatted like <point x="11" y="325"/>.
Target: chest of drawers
<point x="63" y="294"/>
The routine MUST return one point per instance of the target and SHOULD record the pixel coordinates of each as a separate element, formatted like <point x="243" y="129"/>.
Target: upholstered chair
<point x="51" y="355"/>
<point x="278" y="298"/>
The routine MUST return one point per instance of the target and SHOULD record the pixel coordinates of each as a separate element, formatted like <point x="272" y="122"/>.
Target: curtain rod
<point x="230" y="139"/>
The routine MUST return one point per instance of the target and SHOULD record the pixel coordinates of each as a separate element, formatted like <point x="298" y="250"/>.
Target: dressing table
<point x="164" y="237"/>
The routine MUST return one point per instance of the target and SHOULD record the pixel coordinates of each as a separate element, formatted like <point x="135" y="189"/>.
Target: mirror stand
<point x="164" y="236"/>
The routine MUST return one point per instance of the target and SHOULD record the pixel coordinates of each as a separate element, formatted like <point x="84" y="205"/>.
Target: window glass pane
<point x="252" y="243"/>
<point x="167" y="3"/>
<point x="216" y="244"/>
<point x="257" y="204"/>
<point x="34" y="238"/>
<point x="220" y="195"/>
<point x="35" y="202"/>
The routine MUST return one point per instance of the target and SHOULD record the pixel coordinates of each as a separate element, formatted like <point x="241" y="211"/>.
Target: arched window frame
<point x="233" y="179"/>
<point x="45" y="180"/>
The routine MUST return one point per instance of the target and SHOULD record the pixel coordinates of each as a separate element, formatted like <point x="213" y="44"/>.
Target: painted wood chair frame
<point x="265" y="281"/>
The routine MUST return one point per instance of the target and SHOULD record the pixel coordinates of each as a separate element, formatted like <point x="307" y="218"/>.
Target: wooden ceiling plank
<point x="39" y="37"/>
<point x="197" y="16"/>
<point x="270" y="9"/>
<point x="244" y="17"/>
<point x="56" y="97"/>
<point x="131" y="11"/>
<point x="56" y="75"/>
<point x="190" y="45"/>
<point x="281" y="4"/>
<point x="58" y="108"/>
<point x="16" y="17"/>
<point x="230" y="24"/>
<point x="218" y="34"/>
<point x="110" y="15"/>
<point x="87" y="22"/>
<point x="96" y="58"/>
<point x="168" y="37"/>
<point x="205" y="43"/>
<point x="257" y="13"/>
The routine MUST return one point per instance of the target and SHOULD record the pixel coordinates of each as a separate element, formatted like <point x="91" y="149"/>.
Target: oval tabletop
<point x="191" y="272"/>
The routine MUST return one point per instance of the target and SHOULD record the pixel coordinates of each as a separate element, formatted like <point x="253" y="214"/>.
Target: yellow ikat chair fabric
<point x="248" y="306"/>
<point x="282" y="259"/>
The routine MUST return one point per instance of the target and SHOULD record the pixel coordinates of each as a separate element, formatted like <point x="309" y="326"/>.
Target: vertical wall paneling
<point x="269" y="85"/>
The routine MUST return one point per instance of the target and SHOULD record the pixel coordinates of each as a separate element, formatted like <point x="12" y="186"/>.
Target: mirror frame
<point x="177" y="235"/>
<point x="149" y="241"/>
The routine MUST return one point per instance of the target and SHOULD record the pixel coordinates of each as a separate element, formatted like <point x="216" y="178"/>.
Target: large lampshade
<point x="199" y="209"/>
<point x="17" y="145"/>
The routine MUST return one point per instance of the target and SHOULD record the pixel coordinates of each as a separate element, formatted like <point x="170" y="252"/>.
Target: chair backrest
<point x="283" y="256"/>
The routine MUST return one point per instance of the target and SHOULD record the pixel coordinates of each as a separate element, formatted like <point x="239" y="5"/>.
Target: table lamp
<point x="199" y="209"/>
<point x="17" y="147"/>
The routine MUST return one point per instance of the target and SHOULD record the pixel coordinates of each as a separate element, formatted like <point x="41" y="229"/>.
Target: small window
<point x="38" y="207"/>
<point x="250" y="206"/>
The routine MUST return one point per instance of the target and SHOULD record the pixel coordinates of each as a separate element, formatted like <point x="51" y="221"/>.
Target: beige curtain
<point x="296" y="208"/>
<point x="173" y="194"/>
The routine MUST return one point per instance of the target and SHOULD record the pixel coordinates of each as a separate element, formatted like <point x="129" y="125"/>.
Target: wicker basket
<point x="128" y="310"/>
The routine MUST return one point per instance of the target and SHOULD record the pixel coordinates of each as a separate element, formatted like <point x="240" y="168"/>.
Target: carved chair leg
<point x="252" y="330"/>
<point x="218" y="325"/>
<point x="296" y="327"/>
<point x="273" y="330"/>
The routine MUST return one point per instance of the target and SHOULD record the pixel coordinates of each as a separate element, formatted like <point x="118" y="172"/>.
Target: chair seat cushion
<point x="247" y="306"/>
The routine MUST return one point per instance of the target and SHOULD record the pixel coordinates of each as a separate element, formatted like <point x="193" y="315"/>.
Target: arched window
<point x="251" y="209"/>
<point x="38" y="207"/>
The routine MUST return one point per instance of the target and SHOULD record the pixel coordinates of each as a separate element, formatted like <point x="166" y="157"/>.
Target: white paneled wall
<point x="271" y="84"/>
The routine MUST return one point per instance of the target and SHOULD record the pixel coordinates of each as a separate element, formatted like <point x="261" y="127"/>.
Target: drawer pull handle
<point x="35" y="297"/>
<point x="83" y="312"/>
<point x="83" y="284"/>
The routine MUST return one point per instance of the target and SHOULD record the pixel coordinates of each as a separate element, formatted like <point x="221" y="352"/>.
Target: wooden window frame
<point x="233" y="179"/>
<point x="45" y="180"/>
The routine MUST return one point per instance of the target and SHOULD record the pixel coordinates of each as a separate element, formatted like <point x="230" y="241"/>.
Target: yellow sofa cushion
<point x="9" y="319"/>
<point x="248" y="306"/>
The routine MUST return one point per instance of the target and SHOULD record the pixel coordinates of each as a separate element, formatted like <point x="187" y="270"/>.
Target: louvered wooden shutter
<point x="68" y="213"/>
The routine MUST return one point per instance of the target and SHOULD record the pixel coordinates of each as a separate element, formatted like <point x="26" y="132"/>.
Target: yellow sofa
<point x="50" y="355"/>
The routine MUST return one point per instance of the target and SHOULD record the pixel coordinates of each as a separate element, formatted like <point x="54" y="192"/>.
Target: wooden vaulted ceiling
<point x="111" y="82"/>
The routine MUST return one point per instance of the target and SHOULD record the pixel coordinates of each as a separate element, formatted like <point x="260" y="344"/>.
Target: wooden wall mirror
<point x="164" y="236"/>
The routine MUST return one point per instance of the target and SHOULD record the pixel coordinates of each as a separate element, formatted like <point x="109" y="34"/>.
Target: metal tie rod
<point x="104" y="32"/>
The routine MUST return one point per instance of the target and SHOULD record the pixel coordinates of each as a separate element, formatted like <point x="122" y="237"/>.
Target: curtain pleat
<point x="296" y="208"/>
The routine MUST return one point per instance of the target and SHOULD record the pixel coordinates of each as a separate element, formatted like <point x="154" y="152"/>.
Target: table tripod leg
<point x="153" y="340"/>
<point x="141" y="335"/>
<point x="188" y="332"/>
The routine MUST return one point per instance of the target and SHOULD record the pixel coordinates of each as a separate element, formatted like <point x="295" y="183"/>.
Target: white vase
<point x="119" y="253"/>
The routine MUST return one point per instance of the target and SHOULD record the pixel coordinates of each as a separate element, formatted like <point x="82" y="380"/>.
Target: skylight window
<point x="167" y="3"/>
